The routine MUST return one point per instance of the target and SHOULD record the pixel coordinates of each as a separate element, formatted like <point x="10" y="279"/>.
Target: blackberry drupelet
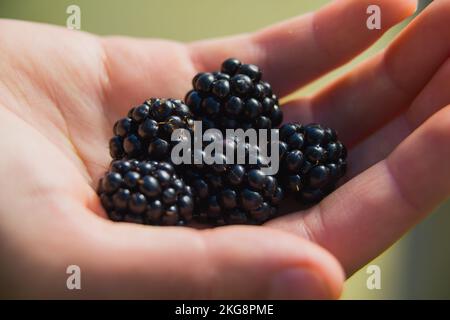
<point x="146" y="131"/>
<point x="312" y="160"/>
<point x="235" y="97"/>
<point x="233" y="193"/>
<point x="146" y="192"/>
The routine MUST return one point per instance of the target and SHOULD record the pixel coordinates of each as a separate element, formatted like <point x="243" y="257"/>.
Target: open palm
<point x="61" y="91"/>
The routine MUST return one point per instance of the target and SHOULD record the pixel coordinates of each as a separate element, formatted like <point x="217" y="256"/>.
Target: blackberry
<point x="146" y="131"/>
<point x="234" y="97"/>
<point x="146" y="192"/>
<point x="312" y="160"/>
<point x="233" y="193"/>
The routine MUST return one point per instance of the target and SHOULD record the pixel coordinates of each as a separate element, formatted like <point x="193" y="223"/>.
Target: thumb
<point x="228" y="262"/>
<point x="123" y="260"/>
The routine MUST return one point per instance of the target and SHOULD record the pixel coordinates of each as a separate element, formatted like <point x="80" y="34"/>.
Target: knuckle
<point x="440" y="11"/>
<point x="438" y="131"/>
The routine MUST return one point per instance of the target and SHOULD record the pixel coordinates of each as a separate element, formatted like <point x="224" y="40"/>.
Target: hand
<point x="393" y="112"/>
<point x="61" y="91"/>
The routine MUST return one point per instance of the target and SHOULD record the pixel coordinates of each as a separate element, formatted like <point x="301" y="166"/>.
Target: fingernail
<point x="298" y="284"/>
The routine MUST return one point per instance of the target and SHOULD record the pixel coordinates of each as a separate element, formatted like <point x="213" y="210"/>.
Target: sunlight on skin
<point x="61" y="91"/>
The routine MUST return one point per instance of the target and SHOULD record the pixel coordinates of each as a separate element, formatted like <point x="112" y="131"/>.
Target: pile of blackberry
<point x="234" y="97"/>
<point x="234" y="193"/>
<point x="146" y="192"/>
<point x="312" y="161"/>
<point x="142" y="185"/>
<point x="145" y="132"/>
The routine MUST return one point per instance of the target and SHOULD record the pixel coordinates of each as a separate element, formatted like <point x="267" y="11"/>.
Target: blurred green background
<point x="417" y="266"/>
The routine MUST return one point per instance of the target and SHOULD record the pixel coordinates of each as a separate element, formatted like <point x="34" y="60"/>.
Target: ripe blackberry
<point x="233" y="193"/>
<point x="146" y="192"/>
<point x="312" y="160"/>
<point x="146" y="131"/>
<point x="235" y="97"/>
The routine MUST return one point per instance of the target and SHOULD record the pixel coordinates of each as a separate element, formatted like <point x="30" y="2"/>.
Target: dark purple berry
<point x="256" y="179"/>
<point x="250" y="70"/>
<point x="204" y="82"/>
<point x="295" y="141"/>
<point x="241" y="84"/>
<point x="154" y="211"/>
<point x="140" y="113"/>
<point x="230" y="66"/>
<point x="150" y="186"/>
<point x="123" y="127"/>
<point x="211" y="106"/>
<point x="116" y="148"/>
<point x="236" y="174"/>
<point x="200" y="188"/>
<point x="132" y="145"/>
<point x="169" y="196"/>
<point x="251" y="200"/>
<point x="233" y="106"/>
<point x="252" y="108"/>
<point x="148" y="129"/>
<point x="138" y="203"/>
<point x="158" y="149"/>
<point x="120" y="199"/>
<point x="294" y="182"/>
<point x="131" y="179"/>
<point x="111" y="182"/>
<point x="314" y="134"/>
<point x="221" y="88"/>
<point x="294" y="160"/>
<point x="228" y="198"/>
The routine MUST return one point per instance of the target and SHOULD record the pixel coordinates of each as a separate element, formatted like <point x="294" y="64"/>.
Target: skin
<point x="61" y="91"/>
